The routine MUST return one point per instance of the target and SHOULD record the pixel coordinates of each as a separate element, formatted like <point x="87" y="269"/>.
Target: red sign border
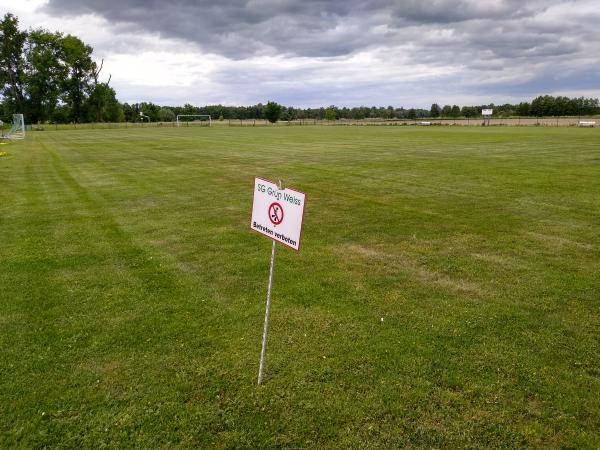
<point x="282" y="213"/>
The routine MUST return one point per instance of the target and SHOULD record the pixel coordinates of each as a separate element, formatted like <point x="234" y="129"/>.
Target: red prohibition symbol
<point x="275" y="213"/>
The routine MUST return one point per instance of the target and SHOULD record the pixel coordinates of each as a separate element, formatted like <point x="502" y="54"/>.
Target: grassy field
<point x="447" y="293"/>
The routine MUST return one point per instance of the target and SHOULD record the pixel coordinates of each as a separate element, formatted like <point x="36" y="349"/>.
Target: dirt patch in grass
<point x="557" y="241"/>
<point x="402" y="263"/>
<point x="497" y="259"/>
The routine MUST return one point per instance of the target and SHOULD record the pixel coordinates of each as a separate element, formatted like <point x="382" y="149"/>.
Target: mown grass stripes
<point x="132" y="289"/>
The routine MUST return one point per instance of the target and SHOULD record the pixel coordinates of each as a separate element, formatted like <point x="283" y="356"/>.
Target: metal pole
<point x="267" y="310"/>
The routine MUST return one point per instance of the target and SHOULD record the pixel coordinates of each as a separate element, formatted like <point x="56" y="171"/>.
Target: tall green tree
<point x="542" y="105"/>
<point x="151" y="110"/>
<point x="102" y="105"/>
<point x="469" y="111"/>
<point x="166" y="115"/>
<point x="435" y="110"/>
<point x="272" y="112"/>
<point x="330" y="113"/>
<point x="45" y="73"/>
<point x="523" y="109"/>
<point x="12" y="65"/>
<point x="81" y="70"/>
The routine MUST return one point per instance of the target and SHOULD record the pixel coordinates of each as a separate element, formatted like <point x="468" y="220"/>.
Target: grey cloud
<point x="500" y="36"/>
<point x="237" y="29"/>
<point x="233" y="28"/>
<point x="577" y="80"/>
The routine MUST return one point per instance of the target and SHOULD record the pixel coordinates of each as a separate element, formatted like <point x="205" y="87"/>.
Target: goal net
<point x="194" y="119"/>
<point x="17" y="130"/>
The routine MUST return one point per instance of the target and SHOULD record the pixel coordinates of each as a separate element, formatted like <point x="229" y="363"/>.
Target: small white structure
<point x="587" y="123"/>
<point x="425" y="124"/>
<point x="487" y="115"/>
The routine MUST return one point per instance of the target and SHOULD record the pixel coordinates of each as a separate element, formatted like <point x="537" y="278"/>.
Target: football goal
<point x="193" y="118"/>
<point x="17" y="130"/>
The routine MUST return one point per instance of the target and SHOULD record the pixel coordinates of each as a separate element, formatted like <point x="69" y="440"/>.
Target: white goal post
<point x="199" y="116"/>
<point x="17" y="130"/>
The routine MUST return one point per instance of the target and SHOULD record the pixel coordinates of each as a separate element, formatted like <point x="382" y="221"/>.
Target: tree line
<point x="542" y="106"/>
<point x="263" y="111"/>
<point x="51" y="77"/>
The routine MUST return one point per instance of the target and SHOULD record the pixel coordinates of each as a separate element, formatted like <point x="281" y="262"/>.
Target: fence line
<point x="512" y="121"/>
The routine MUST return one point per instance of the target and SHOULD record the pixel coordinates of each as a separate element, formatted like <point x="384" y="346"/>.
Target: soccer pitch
<point x="447" y="292"/>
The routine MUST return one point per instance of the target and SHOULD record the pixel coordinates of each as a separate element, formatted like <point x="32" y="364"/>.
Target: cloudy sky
<point x="304" y="53"/>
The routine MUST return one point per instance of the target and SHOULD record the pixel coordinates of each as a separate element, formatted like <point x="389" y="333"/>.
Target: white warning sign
<point x="277" y="213"/>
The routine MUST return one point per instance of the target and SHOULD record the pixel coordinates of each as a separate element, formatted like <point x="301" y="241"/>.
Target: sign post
<point x="276" y="213"/>
<point x="263" y="349"/>
<point x="487" y="114"/>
